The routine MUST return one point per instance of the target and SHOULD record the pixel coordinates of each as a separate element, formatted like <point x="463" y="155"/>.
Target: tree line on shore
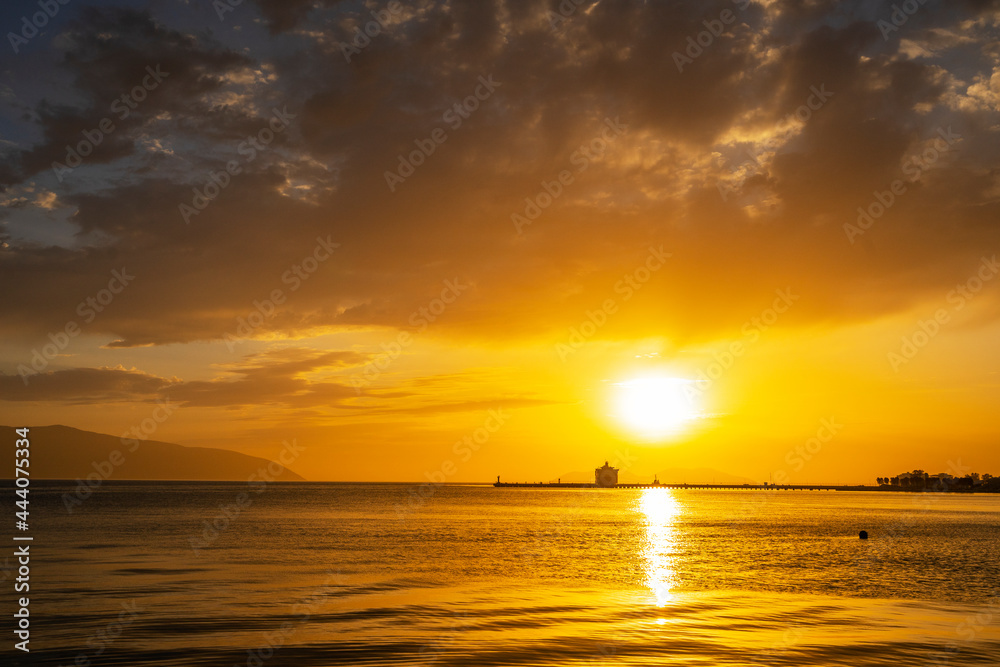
<point x="918" y="479"/>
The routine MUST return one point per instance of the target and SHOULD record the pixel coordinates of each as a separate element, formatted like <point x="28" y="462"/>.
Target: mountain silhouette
<point x="62" y="452"/>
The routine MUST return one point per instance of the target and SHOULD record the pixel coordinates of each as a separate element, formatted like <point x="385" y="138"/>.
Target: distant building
<point x="606" y="475"/>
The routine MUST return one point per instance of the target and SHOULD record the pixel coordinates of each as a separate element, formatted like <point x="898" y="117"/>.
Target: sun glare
<point x="654" y="407"/>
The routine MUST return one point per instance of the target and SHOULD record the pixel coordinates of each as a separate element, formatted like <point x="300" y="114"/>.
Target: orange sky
<point x="570" y="213"/>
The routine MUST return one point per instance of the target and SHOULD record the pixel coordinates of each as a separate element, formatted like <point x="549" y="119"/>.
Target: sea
<point x="317" y="574"/>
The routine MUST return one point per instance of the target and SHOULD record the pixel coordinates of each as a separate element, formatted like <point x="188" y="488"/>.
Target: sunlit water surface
<point x="351" y="574"/>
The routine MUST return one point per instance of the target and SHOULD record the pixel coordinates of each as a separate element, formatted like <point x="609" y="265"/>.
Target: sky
<point x="455" y="240"/>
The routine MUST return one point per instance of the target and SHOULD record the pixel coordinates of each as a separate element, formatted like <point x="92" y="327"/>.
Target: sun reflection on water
<point x="660" y="509"/>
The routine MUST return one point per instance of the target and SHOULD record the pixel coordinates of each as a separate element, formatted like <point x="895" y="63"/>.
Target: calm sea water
<point x="352" y="574"/>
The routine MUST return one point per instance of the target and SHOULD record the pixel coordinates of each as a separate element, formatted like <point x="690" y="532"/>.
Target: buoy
<point x="863" y="534"/>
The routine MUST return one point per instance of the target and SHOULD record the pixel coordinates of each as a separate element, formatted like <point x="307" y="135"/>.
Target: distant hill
<point x="61" y="452"/>
<point x="700" y="476"/>
<point x="667" y="476"/>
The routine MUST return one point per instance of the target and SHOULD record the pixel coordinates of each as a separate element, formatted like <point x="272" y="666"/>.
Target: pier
<point x="692" y="487"/>
<point x="606" y="477"/>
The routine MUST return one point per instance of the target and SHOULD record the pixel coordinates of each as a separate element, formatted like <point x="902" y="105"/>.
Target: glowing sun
<point x="654" y="407"/>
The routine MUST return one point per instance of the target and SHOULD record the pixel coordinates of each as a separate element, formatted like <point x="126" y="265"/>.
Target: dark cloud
<point x="284" y="15"/>
<point x="272" y="378"/>
<point x="110" y="52"/>
<point x="657" y="184"/>
<point x="84" y="385"/>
